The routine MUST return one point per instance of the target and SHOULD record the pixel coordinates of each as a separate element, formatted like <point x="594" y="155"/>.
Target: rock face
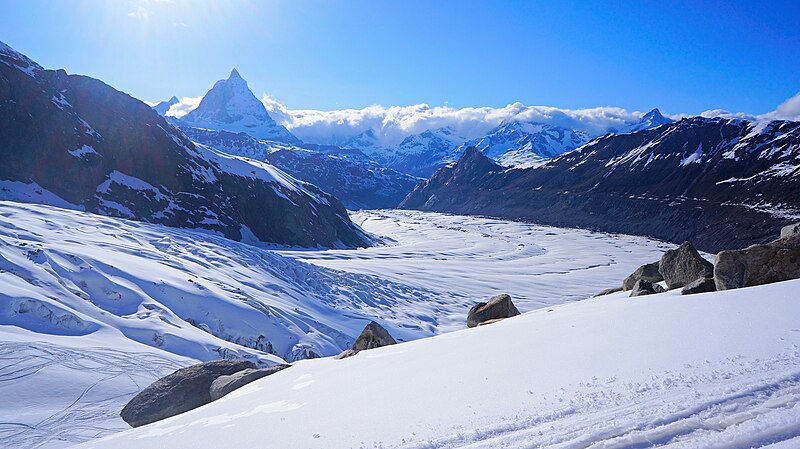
<point x="499" y="306"/>
<point x="758" y="264"/>
<point x="643" y="287"/>
<point x="648" y="272"/>
<point x="701" y="285"/>
<point x="692" y="179"/>
<point x="225" y="384"/>
<point x="181" y="391"/>
<point x="99" y="150"/>
<point x="683" y="265"/>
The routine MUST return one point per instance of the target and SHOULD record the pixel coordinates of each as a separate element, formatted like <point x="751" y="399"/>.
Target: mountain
<point x="525" y="144"/>
<point x="163" y="107"/>
<point x="421" y="154"/>
<point x="348" y="174"/>
<point x="721" y="183"/>
<point x="76" y="142"/>
<point x="231" y="106"/>
<point x="652" y="119"/>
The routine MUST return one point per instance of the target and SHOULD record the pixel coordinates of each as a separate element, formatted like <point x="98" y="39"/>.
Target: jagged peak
<point x="173" y="100"/>
<point x="235" y="75"/>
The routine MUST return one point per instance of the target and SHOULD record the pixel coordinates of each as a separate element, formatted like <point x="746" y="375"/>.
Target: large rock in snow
<point x="643" y="287"/>
<point x="759" y="264"/>
<point x="181" y="391"/>
<point x="373" y="336"/>
<point x="223" y="385"/>
<point x="683" y="265"/>
<point x="648" y="272"/>
<point x="499" y="306"/>
<point x="702" y="285"/>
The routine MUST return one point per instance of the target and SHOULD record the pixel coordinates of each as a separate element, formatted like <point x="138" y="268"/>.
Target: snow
<point x="72" y="281"/>
<point x="32" y="193"/>
<point x="714" y="370"/>
<point x="83" y="151"/>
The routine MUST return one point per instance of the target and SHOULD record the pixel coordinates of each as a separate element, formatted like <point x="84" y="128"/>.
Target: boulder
<point x="609" y="291"/>
<point x="701" y="285"/>
<point x="758" y="264"/>
<point x="499" y="306"/>
<point x="683" y="265"/>
<point x="648" y="272"/>
<point x="790" y="231"/>
<point x="223" y="385"/>
<point x="643" y="287"/>
<point x="181" y="391"/>
<point x="373" y="336"/>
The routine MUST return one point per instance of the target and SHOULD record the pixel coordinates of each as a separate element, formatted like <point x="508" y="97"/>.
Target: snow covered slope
<point x="714" y="370"/>
<point x="231" y="106"/>
<point x="79" y="291"/>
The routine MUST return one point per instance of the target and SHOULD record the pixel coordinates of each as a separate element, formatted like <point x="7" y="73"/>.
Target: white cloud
<point x="183" y="106"/>
<point x="392" y="124"/>
<point x="139" y="13"/>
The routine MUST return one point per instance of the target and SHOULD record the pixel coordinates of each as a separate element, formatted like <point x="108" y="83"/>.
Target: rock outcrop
<point x="643" y="287"/>
<point x="225" y="384"/>
<point x="760" y="264"/>
<point x="648" y="272"/>
<point x="609" y="291"/>
<point x="181" y="391"/>
<point x="499" y="306"/>
<point x="373" y="336"/>
<point x="683" y="265"/>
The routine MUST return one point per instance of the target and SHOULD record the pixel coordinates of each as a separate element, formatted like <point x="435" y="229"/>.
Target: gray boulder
<point x="648" y="272"/>
<point x="643" y="287"/>
<point x="223" y="385"/>
<point x="758" y="264"/>
<point x="683" y="265"/>
<point x="790" y="231"/>
<point x="499" y="306"/>
<point x="181" y="391"/>
<point x="373" y="336"/>
<point x="701" y="285"/>
<point x="609" y="291"/>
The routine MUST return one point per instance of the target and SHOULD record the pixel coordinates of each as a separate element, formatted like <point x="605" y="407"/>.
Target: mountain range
<point x="721" y="183"/>
<point x="76" y="142"/>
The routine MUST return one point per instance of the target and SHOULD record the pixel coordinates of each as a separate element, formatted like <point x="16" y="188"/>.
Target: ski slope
<point x="80" y="291"/>
<point x="713" y="370"/>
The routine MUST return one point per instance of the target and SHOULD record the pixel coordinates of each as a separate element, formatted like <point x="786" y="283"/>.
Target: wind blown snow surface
<point x="93" y="308"/>
<point x="713" y="370"/>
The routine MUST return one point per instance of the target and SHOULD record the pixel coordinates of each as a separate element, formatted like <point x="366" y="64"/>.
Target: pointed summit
<point x="173" y="100"/>
<point x="163" y="107"/>
<point x="231" y="106"/>
<point x="652" y="119"/>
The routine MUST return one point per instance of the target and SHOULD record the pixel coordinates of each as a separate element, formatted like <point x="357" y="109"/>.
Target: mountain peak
<point x="653" y="114"/>
<point x="173" y="100"/>
<point x="234" y="74"/>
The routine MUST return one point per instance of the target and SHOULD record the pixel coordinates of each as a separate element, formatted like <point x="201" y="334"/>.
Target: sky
<point x="683" y="57"/>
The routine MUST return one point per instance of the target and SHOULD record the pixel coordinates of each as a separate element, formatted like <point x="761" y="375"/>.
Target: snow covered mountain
<point x="231" y="106"/>
<point x="163" y="107"/>
<point x="652" y="119"/>
<point x="662" y="370"/>
<point x="722" y="183"/>
<point x="520" y="144"/>
<point x="78" y="143"/>
<point x="348" y="174"/>
<point x="420" y="154"/>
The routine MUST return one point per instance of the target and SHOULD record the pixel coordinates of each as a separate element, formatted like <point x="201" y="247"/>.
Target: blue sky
<point x="680" y="56"/>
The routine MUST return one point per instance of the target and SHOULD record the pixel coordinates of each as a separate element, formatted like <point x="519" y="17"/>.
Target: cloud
<point x="140" y="13"/>
<point x="392" y="124"/>
<point x="788" y="110"/>
<point x="184" y="106"/>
